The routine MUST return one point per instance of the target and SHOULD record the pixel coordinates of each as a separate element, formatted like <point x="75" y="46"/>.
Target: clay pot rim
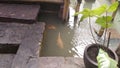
<point x="95" y="45"/>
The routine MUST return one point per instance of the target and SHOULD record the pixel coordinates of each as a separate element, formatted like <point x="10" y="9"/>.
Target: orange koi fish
<point x="60" y="42"/>
<point x="52" y="27"/>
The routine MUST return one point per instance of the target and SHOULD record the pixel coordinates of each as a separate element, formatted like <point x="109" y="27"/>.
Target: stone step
<point x="19" y="13"/>
<point x="55" y="62"/>
<point x="43" y="62"/>
<point x="11" y="35"/>
<point x="6" y="60"/>
<point x="59" y="62"/>
<point x="35" y="1"/>
<point x="30" y="45"/>
<point x="28" y="35"/>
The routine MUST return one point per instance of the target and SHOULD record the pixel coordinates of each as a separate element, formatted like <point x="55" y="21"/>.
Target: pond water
<point x="69" y="39"/>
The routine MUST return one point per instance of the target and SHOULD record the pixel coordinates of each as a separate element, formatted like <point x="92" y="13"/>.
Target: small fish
<point x="52" y="27"/>
<point x="60" y="42"/>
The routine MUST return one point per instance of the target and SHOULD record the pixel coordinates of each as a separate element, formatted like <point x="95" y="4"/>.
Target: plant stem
<point x="105" y="30"/>
<point x="91" y="30"/>
<point x="108" y="39"/>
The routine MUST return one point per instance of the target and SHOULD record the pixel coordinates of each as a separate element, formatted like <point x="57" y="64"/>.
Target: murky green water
<point x="69" y="38"/>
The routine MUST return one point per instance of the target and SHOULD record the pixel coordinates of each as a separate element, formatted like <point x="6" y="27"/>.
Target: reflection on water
<point x="68" y="39"/>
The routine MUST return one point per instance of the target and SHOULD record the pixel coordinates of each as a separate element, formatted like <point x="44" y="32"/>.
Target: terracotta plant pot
<point x="91" y="52"/>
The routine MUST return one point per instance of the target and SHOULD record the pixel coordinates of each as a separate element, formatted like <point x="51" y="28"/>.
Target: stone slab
<point x="30" y="46"/>
<point x="19" y="12"/>
<point x="50" y="1"/>
<point x="6" y="60"/>
<point x="61" y="62"/>
<point x="12" y="33"/>
<point x="55" y="62"/>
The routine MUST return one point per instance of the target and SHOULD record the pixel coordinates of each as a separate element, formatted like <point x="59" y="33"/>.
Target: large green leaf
<point x="103" y="20"/>
<point x="113" y="7"/>
<point x="98" y="11"/>
<point x="85" y="12"/>
<point x="83" y="17"/>
<point x="77" y="13"/>
<point x="104" y="61"/>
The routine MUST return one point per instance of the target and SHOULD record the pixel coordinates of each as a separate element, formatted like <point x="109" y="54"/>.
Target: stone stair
<point x="19" y="13"/>
<point x="20" y="33"/>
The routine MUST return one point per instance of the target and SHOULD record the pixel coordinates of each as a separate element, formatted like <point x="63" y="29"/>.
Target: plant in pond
<point x="104" y="20"/>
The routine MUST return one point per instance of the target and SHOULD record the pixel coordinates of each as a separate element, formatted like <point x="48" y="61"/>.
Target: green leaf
<point x="104" y="61"/>
<point x="86" y="12"/>
<point x="113" y="7"/>
<point x="83" y="17"/>
<point x="103" y="20"/>
<point x="100" y="10"/>
<point x="77" y="13"/>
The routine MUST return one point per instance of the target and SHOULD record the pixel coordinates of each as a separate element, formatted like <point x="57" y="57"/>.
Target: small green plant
<point x="104" y="20"/>
<point x="104" y="61"/>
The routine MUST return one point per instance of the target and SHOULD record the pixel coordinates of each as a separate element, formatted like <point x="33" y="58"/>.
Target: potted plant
<point x="92" y="50"/>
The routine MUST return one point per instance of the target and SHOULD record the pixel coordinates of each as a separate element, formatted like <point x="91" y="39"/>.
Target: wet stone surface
<point x="6" y="60"/>
<point x="52" y="1"/>
<point x="12" y="33"/>
<point x="29" y="38"/>
<point x="18" y="12"/>
<point x="56" y="62"/>
<point x="30" y="46"/>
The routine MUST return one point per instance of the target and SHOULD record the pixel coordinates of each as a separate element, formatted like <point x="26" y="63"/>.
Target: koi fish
<point x="52" y="27"/>
<point x="60" y="42"/>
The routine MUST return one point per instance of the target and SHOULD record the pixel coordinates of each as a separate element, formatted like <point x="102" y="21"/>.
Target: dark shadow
<point x="8" y="48"/>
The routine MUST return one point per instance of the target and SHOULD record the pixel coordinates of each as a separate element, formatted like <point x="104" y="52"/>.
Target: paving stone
<point x="28" y="35"/>
<point x="19" y="12"/>
<point x="12" y="33"/>
<point x="30" y="46"/>
<point x="6" y="60"/>
<point x="52" y="1"/>
<point x="47" y="62"/>
<point x="55" y="62"/>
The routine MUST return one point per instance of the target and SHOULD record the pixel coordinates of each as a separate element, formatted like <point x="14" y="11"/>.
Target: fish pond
<point x="69" y="39"/>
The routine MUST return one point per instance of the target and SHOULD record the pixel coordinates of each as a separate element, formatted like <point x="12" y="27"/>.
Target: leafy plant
<point x="104" y="61"/>
<point x="104" y="20"/>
